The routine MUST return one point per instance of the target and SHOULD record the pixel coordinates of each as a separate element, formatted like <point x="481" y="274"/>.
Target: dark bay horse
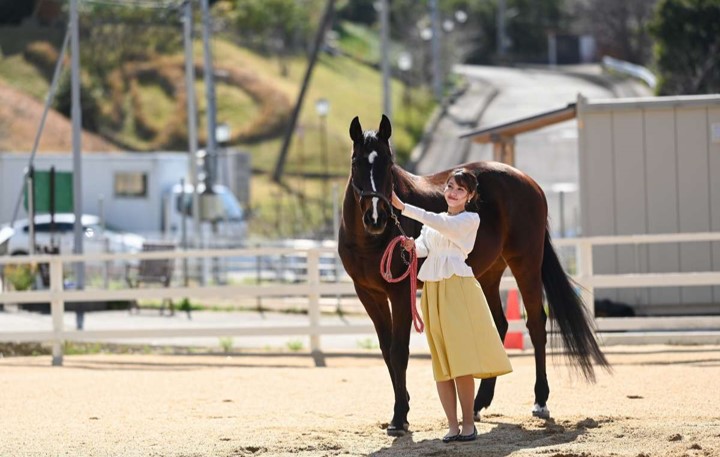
<point x="513" y="232"/>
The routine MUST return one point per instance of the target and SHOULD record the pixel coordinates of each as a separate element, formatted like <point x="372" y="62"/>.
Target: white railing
<point x="313" y="288"/>
<point x="631" y="69"/>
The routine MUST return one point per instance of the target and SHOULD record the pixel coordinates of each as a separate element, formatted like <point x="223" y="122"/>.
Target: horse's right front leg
<point x="377" y="306"/>
<point x="399" y="356"/>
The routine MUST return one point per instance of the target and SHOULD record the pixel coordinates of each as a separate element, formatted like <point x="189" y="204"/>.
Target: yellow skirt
<point x="460" y="330"/>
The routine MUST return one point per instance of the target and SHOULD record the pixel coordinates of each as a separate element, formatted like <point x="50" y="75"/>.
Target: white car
<point x="231" y="228"/>
<point x="96" y="238"/>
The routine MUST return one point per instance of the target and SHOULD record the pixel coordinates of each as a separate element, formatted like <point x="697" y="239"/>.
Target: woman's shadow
<point x="502" y="440"/>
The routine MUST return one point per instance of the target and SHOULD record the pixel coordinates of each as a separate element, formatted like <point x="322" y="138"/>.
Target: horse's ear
<point x="385" y="129"/>
<point x="356" y="132"/>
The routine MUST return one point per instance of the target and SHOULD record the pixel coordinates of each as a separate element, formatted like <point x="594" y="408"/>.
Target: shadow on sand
<point x="504" y="439"/>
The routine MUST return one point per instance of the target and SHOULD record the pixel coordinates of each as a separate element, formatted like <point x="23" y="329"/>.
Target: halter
<point x="372" y="194"/>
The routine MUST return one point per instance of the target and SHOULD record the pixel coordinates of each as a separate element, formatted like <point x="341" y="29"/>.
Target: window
<point x="131" y="184"/>
<point x="46" y="227"/>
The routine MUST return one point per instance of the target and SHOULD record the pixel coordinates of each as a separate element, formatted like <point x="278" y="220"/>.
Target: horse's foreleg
<point x="530" y="284"/>
<point x="490" y="282"/>
<point x="399" y="355"/>
<point x="378" y="309"/>
<point x="377" y="306"/>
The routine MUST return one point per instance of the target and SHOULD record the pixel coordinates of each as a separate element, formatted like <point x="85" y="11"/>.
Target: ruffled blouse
<point x="445" y="240"/>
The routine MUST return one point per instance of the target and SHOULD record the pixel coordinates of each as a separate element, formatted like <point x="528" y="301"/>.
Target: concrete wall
<point x="652" y="166"/>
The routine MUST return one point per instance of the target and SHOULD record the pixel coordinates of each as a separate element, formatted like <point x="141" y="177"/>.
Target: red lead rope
<point x="412" y="271"/>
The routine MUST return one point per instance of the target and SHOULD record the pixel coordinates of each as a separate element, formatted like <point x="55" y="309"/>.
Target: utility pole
<point x="437" y="81"/>
<point x="192" y="117"/>
<point x="385" y="56"/>
<point x="319" y="38"/>
<point x="211" y="147"/>
<point x="501" y="40"/>
<point x="76" y="115"/>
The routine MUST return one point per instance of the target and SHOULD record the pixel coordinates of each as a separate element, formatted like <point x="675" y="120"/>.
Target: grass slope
<point x="148" y="106"/>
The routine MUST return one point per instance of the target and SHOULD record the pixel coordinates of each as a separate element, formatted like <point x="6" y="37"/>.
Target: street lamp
<point x="222" y="133"/>
<point x="322" y="107"/>
<point x="222" y="137"/>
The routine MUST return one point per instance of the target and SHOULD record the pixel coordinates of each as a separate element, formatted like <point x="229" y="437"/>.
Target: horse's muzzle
<point x="375" y="225"/>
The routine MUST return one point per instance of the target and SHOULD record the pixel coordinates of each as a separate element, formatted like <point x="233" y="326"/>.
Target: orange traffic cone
<point x="513" y="340"/>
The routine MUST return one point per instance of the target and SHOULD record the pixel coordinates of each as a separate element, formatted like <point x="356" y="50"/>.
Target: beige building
<point x="652" y="166"/>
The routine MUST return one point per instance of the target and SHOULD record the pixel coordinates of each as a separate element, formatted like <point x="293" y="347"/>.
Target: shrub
<point x="21" y="277"/>
<point x="43" y="56"/>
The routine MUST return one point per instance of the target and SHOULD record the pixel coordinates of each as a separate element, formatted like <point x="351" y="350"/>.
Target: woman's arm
<point x="421" y="247"/>
<point x="459" y="229"/>
<point x="419" y="243"/>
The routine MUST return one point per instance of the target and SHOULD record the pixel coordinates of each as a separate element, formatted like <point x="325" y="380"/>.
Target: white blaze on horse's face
<point x="375" y="200"/>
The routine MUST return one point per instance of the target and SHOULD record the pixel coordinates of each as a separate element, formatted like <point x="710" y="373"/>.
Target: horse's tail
<point x="568" y="310"/>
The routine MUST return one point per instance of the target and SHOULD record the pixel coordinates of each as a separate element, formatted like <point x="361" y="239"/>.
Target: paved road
<point x="499" y="94"/>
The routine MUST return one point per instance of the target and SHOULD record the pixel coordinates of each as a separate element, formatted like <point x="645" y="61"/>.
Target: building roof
<point x="526" y="124"/>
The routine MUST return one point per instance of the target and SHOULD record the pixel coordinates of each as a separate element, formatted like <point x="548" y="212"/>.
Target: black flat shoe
<point x="470" y="437"/>
<point x="450" y="438"/>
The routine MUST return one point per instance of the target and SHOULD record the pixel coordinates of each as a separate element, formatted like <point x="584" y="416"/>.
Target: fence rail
<point x="634" y="331"/>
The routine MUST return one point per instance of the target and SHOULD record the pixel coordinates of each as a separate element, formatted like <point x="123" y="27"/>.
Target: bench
<point x="152" y="272"/>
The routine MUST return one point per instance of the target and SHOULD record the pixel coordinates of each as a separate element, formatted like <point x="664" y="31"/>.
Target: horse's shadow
<point x="503" y="440"/>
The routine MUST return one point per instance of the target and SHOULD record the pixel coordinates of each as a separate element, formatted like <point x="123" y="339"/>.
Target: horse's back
<point x="512" y="209"/>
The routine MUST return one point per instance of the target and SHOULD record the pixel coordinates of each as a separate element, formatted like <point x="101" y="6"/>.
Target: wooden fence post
<point x="57" y="309"/>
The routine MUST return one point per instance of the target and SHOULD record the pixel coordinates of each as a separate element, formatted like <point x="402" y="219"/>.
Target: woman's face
<point x="455" y="196"/>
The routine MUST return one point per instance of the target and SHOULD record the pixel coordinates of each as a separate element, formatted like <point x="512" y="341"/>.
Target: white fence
<point x="679" y="330"/>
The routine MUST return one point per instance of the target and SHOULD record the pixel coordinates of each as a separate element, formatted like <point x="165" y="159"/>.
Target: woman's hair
<point x="467" y="180"/>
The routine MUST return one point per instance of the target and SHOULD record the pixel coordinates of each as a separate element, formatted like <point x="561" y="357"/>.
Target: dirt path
<point x="660" y="401"/>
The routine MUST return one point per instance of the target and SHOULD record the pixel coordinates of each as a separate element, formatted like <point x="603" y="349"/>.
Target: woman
<point x="464" y="342"/>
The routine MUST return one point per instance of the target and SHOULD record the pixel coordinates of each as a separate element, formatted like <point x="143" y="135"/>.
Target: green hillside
<point x="141" y="105"/>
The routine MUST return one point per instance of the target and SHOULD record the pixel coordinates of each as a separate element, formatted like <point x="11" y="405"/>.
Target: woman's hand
<point x="396" y="202"/>
<point x="408" y="244"/>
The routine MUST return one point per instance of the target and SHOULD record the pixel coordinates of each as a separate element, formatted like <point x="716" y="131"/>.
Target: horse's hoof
<point x="476" y="416"/>
<point x="541" y="411"/>
<point x="394" y="430"/>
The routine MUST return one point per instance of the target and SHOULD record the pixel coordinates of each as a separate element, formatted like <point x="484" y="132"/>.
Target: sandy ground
<point x="660" y="401"/>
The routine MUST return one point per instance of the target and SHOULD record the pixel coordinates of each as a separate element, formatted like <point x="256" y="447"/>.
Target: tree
<point x="358" y="11"/>
<point x="90" y="109"/>
<point x="277" y="23"/>
<point x="687" y="51"/>
<point x="528" y="26"/>
<point x="13" y="11"/>
<point x="619" y="27"/>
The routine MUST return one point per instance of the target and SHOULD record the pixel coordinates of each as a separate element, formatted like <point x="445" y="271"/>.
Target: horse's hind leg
<point x="490" y="282"/>
<point x="526" y="269"/>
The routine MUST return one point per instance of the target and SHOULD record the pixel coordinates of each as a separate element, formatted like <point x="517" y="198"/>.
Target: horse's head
<point x="371" y="175"/>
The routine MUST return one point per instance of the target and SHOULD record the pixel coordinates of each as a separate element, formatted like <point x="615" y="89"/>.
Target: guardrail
<point x="630" y="69"/>
<point x="313" y="288"/>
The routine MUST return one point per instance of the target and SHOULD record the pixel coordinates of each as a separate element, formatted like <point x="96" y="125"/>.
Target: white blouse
<point x="445" y="240"/>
